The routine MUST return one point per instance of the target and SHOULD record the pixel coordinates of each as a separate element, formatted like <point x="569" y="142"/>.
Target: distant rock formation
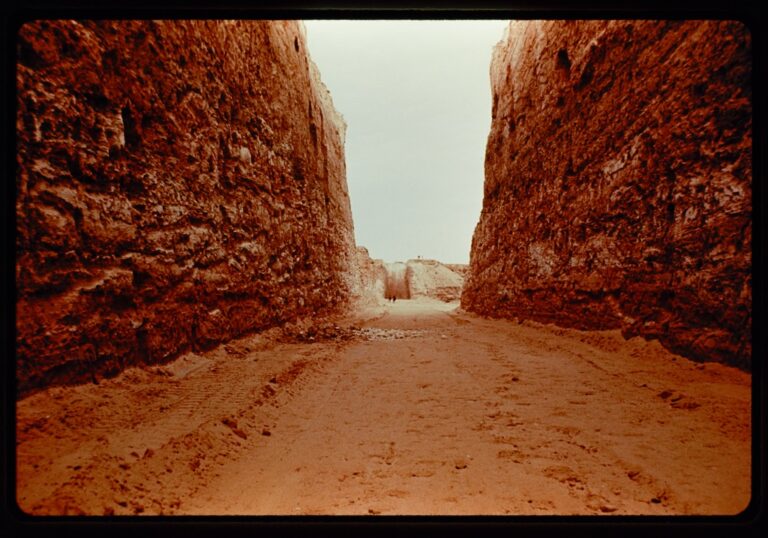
<point x="180" y="183"/>
<point x="430" y="278"/>
<point x="396" y="282"/>
<point x="617" y="182"/>
<point x="378" y="280"/>
<point x="371" y="278"/>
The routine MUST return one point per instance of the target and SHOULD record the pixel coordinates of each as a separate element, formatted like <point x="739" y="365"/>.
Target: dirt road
<point x="420" y="410"/>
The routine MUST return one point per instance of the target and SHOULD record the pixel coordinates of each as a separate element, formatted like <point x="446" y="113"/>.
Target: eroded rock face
<point x="430" y="278"/>
<point x="371" y="278"/>
<point x="180" y="183"/>
<point x="377" y="280"/>
<point x="396" y="284"/>
<point x="459" y="268"/>
<point x="617" y="189"/>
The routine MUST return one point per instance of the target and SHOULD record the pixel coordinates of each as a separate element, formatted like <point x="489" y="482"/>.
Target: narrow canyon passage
<point x="414" y="408"/>
<point x="201" y="328"/>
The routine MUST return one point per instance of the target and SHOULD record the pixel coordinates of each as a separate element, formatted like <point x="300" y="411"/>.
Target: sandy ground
<point x="424" y="410"/>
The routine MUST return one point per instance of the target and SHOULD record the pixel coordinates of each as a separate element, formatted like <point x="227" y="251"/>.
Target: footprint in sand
<point x="567" y="430"/>
<point x="541" y="505"/>
<point x="638" y="476"/>
<point x="678" y="400"/>
<point x="515" y="456"/>
<point x="422" y="473"/>
<point x="598" y="503"/>
<point x="506" y="439"/>
<point x="564" y="474"/>
<point x="686" y="404"/>
<point x="389" y="455"/>
<point x="423" y="469"/>
<point x="460" y="464"/>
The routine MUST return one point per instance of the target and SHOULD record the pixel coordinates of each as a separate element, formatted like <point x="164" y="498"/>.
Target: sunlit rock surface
<point x="430" y="278"/>
<point x="371" y="278"/>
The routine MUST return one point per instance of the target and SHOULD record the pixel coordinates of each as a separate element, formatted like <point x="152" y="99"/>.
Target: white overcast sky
<point x="417" y="101"/>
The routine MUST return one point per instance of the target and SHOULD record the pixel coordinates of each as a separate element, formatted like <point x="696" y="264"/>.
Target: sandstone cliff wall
<point x="179" y="183"/>
<point x="617" y="188"/>
<point x="376" y="280"/>
<point x="430" y="278"/>
<point x="371" y="278"/>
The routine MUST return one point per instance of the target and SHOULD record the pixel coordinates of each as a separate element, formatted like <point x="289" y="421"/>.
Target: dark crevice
<point x="563" y="62"/>
<point x="132" y="138"/>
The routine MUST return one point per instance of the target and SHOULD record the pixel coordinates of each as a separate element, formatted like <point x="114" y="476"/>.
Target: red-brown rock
<point x="617" y="189"/>
<point x="180" y="183"/>
<point x="370" y="278"/>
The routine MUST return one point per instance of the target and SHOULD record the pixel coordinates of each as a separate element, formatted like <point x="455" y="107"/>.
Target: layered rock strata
<point x="430" y="278"/>
<point x="459" y="268"/>
<point x="371" y="278"/>
<point x="617" y="182"/>
<point x="376" y="280"/>
<point x="179" y="183"/>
